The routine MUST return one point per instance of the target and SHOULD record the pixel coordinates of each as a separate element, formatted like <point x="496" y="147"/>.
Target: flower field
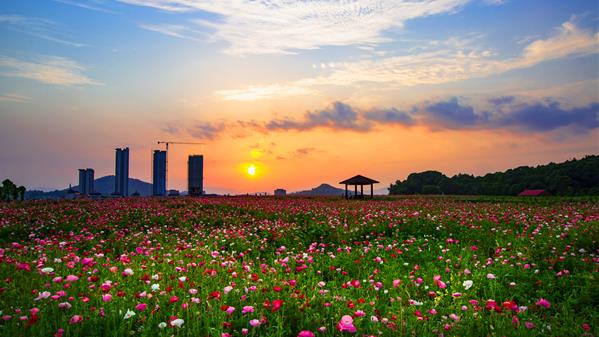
<point x="304" y="267"/>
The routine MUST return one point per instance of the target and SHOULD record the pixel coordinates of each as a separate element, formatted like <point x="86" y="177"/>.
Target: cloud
<point x="506" y="112"/>
<point x="533" y="116"/>
<point x="451" y="114"/>
<point x="548" y="116"/>
<point x="339" y="116"/>
<point x="391" y="116"/>
<point x="282" y="27"/>
<point x="50" y="70"/>
<point x="502" y="100"/>
<point x="38" y="27"/>
<point x="12" y="97"/>
<point x="456" y="61"/>
<point x="178" y="31"/>
<point x="94" y="5"/>
<point x="266" y="92"/>
<point x="204" y="130"/>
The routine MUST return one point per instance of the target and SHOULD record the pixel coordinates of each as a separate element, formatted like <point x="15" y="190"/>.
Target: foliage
<point x="9" y="191"/>
<point x="574" y="177"/>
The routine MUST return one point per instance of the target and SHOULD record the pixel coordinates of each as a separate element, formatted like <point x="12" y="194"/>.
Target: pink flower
<point x="141" y="307"/>
<point x="346" y="324"/>
<point x="305" y="333"/>
<point x="71" y="278"/>
<point x="396" y="283"/>
<point x="359" y="313"/>
<point x="543" y="303"/>
<point x="247" y="309"/>
<point x="490" y="276"/>
<point x="529" y="325"/>
<point x="230" y="310"/>
<point x="254" y="323"/>
<point x="106" y="297"/>
<point x="75" y="319"/>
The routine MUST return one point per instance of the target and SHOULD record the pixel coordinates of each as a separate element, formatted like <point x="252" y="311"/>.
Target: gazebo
<point x="359" y="180"/>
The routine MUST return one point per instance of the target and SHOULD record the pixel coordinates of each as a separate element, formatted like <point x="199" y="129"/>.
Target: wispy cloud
<point x="94" y="5"/>
<point x="12" y="97"/>
<point x="179" y="31"/>
<point x="205" y="130"/>
<point x="266" y="92"/>
<point x="265" y="27"/>
<point x="51" y="70"/>
<point x="38" y="27"/>
<point x="339" y="116"/>
<point x="457" y="62"/>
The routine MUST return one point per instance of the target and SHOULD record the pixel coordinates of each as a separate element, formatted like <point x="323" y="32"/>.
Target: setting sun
<point x="251" y="170"/>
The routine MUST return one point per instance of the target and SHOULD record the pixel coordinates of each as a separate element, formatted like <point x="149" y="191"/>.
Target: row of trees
<point x="573" y="177"/>
<point x="9" y="191"/>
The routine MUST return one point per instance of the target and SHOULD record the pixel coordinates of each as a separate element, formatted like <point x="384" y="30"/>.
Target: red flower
<point x="276" y="305"/>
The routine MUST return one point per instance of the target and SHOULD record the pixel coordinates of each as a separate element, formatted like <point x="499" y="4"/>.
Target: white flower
<point x="128" y="272"/>
<point x="162" y="325"/>
<point x="155" y="287"/>
<point x="177" y="322"/>
<point x="182" y="278"/>
<point x="467" y="284"/>
<point x="47" y="270"/>
<point x="129" y="314"/>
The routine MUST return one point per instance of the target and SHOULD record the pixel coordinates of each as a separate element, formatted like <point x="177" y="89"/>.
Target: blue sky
<point x="78" y="78"/>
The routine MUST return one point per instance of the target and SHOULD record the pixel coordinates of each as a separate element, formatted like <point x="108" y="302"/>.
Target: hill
<point x="322" y="190"/>
<point x="572" y="177"/>
<point x="103" y="185"/>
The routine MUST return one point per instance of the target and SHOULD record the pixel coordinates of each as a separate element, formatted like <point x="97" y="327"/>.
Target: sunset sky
<point x="306" y="91"/>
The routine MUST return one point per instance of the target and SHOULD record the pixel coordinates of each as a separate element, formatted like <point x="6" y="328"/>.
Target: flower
<point x="106" y="297"/>
<point x="75" y="319"/>
<point x="162" y="325"/>
<point x="129" y="314"/>
<point x="247" y="309"/>
<point x="128" y="272"/>
<point x="141" y="307"/>
<point x="490" y="276"/>
<point x="305" y="333"/>
<point x="177" y="322"/>
<point x="346" y="324"/>
<point x="71" y="278"/>
<point x="543" y="303"/>
<point x="47" y="270"/>
<point x="155" y="287"/>
<point x="255" y="322"/>
<point x="467" y="284"/>
<point x="276" y="305"/>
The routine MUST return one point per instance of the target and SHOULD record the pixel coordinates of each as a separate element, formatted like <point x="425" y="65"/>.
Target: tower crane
<point x="167" y="144"/>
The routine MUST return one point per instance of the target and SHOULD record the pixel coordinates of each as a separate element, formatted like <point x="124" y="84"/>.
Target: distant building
<point x="86" y="181"/>
<point x="534" y="193"/>
<point x="279" y="192"/>
<point x="121" y="181"/>
<point x="173" y="193"/>
<point x="159" y="173"/>
<point x="195" y="175"/>
<point x="71" y="193"/>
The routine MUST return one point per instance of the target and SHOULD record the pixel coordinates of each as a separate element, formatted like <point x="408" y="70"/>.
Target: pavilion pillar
<point x="371" y="191"/>
<point x="345" y="191"/>
<point x="362" y="190"/>
<point x="355" y="191"/>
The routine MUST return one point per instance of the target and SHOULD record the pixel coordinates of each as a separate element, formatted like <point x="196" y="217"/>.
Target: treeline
<point x="573" y="177"/>
<point x="9" y="191"/>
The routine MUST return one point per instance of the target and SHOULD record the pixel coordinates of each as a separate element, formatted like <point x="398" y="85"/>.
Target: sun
<point x="251" y="170"/>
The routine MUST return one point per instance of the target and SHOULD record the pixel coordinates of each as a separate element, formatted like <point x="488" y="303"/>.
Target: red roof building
<point x="533" y="193"/>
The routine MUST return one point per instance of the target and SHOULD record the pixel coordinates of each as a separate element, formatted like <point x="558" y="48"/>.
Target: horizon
<point x="291" y="95"/>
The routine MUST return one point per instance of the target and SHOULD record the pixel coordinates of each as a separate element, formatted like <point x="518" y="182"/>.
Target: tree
<point x="22" y="191"/>
<point x="9" y="190"/>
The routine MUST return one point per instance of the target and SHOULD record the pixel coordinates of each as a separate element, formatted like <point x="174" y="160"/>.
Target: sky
<point x="306" y="92"/>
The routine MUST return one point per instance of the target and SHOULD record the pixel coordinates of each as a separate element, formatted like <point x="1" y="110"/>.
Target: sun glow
<point x="251" y="171"/>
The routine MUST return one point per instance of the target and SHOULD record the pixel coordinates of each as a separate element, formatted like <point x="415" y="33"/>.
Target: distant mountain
<point x="104" y="186"/>
<point x="322" y="190"/>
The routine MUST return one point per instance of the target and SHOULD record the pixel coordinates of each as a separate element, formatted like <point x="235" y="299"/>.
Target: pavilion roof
<point x="359" y="180"/>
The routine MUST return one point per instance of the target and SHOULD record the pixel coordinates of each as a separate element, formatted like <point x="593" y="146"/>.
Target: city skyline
<point x="303" y="92"/>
